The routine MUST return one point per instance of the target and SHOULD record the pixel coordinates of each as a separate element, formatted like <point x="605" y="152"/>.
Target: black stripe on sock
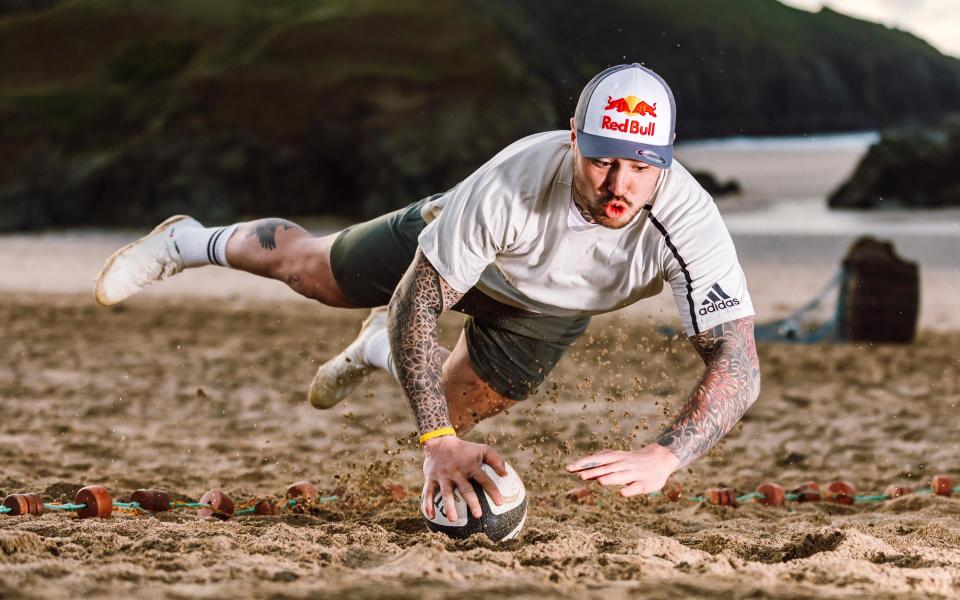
<point x="209" y="253"/>
<point x="220" y="233"/>
<point x="683" y="267"/>
<point x="212" y="246"/>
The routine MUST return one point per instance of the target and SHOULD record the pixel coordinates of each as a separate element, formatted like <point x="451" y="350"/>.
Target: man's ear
<point x="573" y="132"/>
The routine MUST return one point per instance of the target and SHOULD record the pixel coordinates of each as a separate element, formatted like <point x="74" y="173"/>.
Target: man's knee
<point x="470" y="406"/>
<point x="470" y="399"/>
<point x="305" y="267"/>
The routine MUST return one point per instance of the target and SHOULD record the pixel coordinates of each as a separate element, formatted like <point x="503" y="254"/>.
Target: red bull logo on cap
<point x="632" y="107"/>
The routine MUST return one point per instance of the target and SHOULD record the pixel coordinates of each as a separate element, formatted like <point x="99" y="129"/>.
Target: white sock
<point x="201" y="246"/>
<point x="376" y="351"/>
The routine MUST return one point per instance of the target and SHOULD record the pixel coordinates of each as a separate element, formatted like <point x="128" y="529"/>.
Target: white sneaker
<point x="339" y="376"/>
<point x="154" y="257"/>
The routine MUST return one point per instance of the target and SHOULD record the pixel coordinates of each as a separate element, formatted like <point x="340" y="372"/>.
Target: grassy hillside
<point x="746" y="66"/>
<point x="123" y="111"/>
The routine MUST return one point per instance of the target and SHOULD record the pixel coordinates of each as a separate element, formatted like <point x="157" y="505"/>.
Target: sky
<point x="936" y="21"/>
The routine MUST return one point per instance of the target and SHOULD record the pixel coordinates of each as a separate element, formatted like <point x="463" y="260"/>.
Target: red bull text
<point x="628" y="126"/>
<point x="632" y="106"/>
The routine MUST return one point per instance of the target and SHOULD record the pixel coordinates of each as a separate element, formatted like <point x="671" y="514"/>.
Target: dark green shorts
<point x="511" y="349"/>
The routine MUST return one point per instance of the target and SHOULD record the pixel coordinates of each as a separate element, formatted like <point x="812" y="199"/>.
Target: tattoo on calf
<point x="266" y="230"/>
<point x="414" y="310"/>
<point x="729" y="385"/>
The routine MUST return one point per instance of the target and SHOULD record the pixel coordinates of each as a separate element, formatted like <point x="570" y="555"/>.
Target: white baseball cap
<point x="628" y="112"/>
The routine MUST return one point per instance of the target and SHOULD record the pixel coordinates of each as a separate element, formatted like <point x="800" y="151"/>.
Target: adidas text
<point x="718" y="306"/>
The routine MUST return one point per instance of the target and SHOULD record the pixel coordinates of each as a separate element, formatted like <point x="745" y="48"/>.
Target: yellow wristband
<point x="438" y="433"/>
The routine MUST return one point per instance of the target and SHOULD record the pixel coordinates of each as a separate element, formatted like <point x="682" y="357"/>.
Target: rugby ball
<point x="499" y="523"/>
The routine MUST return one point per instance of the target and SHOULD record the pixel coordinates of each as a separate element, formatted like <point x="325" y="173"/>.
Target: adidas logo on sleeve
<point x="716" y="300"/>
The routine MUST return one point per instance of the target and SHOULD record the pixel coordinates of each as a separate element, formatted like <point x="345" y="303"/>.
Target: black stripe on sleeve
<point x="683" y="267"/>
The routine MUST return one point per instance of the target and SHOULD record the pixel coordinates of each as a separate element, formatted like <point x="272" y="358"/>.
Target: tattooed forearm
<point x="414" y="310"/>
<point x="266" y="230"/>
<point x="729" y="385"/>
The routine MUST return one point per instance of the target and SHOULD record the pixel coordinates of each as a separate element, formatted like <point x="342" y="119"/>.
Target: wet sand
<point x="200" y="383"/>
<point x="152" y="395"/>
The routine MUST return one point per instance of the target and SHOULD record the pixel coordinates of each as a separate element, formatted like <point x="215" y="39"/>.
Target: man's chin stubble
<point x="613" y="225"/>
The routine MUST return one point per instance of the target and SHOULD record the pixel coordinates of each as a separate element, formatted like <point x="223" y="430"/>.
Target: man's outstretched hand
<point x="450" y="464"/>
<point x="640" y="472"/>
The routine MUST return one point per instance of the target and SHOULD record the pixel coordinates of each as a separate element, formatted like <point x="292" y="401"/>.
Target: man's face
<point x="611" y="190"/>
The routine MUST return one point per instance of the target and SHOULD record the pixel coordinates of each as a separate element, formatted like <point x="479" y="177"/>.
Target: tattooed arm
<point x="450" y="462"/>
<point x="414" y="311"/>
<point x="729" y="385"/>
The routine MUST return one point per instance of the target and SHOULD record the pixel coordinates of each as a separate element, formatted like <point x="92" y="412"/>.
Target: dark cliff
<point x="124" y="111"/>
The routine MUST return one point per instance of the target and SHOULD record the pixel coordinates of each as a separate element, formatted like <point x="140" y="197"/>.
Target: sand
<point x="200" y="383"/>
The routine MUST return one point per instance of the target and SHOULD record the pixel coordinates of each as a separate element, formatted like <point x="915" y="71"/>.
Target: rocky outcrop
<point x="917" y="168"/>
<point x="716" y="187"/>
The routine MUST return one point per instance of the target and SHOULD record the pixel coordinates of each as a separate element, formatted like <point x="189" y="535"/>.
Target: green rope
<point x="190" y="505"/>
<point x="64" y="506"/>
<point x="793" y="496"/>
<point x="871" y="498"/>
<point x="327" y="499"/>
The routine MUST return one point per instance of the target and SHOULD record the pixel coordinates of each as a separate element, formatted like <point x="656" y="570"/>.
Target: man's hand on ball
<point x="450" y="464"/>
<point x="640" y="472"/>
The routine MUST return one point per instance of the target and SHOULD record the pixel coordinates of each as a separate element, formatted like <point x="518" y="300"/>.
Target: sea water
<point x="794" y="222"/>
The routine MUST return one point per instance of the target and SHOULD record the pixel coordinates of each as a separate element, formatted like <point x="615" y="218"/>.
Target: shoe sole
<point x="98" y="292"/>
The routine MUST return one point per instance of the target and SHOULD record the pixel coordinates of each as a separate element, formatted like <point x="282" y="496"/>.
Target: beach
<point x="200" y="382"/>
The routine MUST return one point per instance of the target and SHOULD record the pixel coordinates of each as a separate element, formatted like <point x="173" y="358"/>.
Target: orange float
<point x="773" y="494"/>
<point x="97" y="501"/>
<point x="304" y="490"/>
<point x="220" y="506"/>
<point x="808" y="491"/>
<point x="841" y="492"/>
<point x="941" y="485"/>
<point x="895" y="491"/>
<point x="151" y="500"/>
<point x="24" y="504"/>
<point x="721" y="496"/>
<point x="672" y="490"/>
